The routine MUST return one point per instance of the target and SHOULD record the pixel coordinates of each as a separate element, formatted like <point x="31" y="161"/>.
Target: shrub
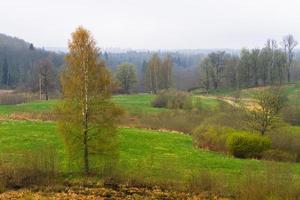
<point x="24" y="169"/>
<point x="237" y="119"/>
<point x="246" y="145"/>
<point x="13" y="98"/>
<point x="178" y="120"/>
<point x="279" y="155"/>
<point x="286" y="139"/>
<point x="202" y="181"/>
<point x="211" y="137"/>
<point x="173" y="99"/>
<point x="291" y="114"/>
<point x="275" y="182"/>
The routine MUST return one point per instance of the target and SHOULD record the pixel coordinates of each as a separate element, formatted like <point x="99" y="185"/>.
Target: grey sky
<point x="152" y="24"/>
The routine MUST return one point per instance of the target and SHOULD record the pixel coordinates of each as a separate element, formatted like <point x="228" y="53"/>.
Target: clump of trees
<point x="173" y="99"/>
<point x="87" y="115"/>
<point x="253" y="67"/>
<point x="158" y="73"/>
<point x="126" y="76"/>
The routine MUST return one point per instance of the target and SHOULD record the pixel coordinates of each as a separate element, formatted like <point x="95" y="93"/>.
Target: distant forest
<point x="23" y="66"/>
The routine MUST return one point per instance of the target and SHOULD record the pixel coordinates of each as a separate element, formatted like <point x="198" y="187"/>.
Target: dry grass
<point x="24" y="169"/>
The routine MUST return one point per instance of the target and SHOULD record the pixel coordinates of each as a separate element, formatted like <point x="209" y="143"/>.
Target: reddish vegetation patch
<point x="106" y="193"/>
<point x="4" y="92"/>
<point x="29" y="116"/>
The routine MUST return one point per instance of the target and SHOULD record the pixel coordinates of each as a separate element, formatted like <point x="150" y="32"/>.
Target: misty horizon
<point x="155" y="25"/>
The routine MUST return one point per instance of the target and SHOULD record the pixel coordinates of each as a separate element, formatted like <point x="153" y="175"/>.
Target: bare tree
<point x="166" y="73"/>
<point x="204" y="69"/>
<point x="289" y="43"/>
<point x="255" y="65"/>
<point x="217" y="62"/>
<point x="45" y="71"/>
<point x="272" y="46"/>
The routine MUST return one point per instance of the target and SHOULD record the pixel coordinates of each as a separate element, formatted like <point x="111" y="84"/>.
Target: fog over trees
<point x="277" y="62"/>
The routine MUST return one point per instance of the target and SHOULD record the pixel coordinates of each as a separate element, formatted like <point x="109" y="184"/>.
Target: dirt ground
<point x="82" y="193"/>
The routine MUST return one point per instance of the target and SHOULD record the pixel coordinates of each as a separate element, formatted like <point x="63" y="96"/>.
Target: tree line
<point x="157" y="75"/>
<point x="28" y="68"/>
<point x="253" y="67"/>
<point x="24" y="66"/>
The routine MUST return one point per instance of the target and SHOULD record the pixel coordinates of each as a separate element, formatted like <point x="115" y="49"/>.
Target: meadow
<point x="139" y="147"/>
<point x="292" y="90"/>
<point x="133" y="104"/>
<point x="156" y="155"/>
<point x="166" y="158"/>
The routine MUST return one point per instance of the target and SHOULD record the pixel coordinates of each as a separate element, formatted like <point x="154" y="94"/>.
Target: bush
<point x="279" y="155"/>
<point x="286" y="139"/>
<point x="177" y="120"/>
<point x="13" y="98"/>
<point x="291" y="114"/>
<point x="173" y="99"/>
<point x="246" y="145"/>
<point x="24" y="169"/>
<point x="211" y="137"/>
<point x="236" y="120"/>
<point x="275" y="182"/>
<point x="202" y="181"/>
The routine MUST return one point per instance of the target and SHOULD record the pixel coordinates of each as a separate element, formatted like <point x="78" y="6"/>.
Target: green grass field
<point x="134" y="104"/>
<point x="153" y="154"/>
<point x="137" y="103"/>
<point x="206" y="103"/>
<point x="36" y="106"/>
<point x="292" y="90"/>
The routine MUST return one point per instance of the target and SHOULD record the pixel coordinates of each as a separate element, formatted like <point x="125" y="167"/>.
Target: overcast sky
<point x="152" y="24"/>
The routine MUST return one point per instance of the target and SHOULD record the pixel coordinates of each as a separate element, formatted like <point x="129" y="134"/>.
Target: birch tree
<point x="87" y="115"/>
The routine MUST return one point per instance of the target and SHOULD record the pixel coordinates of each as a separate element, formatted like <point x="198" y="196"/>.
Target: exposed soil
<point x="250" y="104"/>
<point x="82" y="193"/>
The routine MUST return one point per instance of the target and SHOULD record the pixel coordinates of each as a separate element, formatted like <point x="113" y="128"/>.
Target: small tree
<point x="205" y="70"/>
<point x="126" y="76"/>
<point x="289" y="44"/>
<point x="166" y="73"/>
<point x="152" y="73"/>
<point x="265" y="112"/>
<point x="45" y="73"/>
<point x="87" y="116"/>
<point x="217" y="60"/>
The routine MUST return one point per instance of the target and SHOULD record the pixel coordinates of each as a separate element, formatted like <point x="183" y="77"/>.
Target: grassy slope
<point x="137" y="103"/>
<point x="292" y="90"/>
<point x="150" y="153"/>
<point x="134" y="104"/>
<point x="37" y="106"/>
<point x="206" y="102"/>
